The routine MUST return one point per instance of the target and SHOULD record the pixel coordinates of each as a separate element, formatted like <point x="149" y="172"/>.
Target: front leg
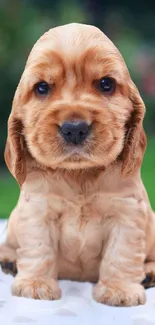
<point x="37" y="258"/>
<point x="122" y="265"/>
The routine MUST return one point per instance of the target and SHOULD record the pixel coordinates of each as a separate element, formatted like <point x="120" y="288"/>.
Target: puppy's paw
<point x="119" y="294"/>
<point x="43" y="289"/>
<point x="8" y="267"/>
<point x="149" y="280"/>
<point x="8" y="260"/>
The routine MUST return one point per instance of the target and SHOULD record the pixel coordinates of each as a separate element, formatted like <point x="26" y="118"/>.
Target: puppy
<point x="75" y="145"/>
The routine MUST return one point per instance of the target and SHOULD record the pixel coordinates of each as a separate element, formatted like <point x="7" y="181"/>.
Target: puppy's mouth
<point x="75" y="158"/>
<point x="74" y="150"/>
<point x="75" y="153"/>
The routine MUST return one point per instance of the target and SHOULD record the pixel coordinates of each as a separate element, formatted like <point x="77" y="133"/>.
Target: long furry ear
<point x="14" y="150"/>
<point x="135" y="138"/>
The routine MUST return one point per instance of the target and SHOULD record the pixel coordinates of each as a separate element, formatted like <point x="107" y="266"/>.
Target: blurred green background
<point x="130" y="25"/>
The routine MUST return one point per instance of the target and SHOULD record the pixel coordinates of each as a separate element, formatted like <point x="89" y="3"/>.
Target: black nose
<point x="75" y="132"/>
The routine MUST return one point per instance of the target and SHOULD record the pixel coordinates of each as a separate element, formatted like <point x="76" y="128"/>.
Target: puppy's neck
<point x="79" y="174"/>
<point x="82" y="175"/>
<point x="106" y="175"/>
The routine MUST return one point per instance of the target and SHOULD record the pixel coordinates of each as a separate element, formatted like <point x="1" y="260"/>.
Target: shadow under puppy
<point x="75" y="145"/>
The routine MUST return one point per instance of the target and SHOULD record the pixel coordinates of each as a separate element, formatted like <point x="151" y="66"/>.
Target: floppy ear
<point x="14" y="150"/>
<point x="135" y="138"/>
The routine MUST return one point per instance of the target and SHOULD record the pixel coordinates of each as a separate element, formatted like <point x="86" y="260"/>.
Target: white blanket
<point x="76" y="307"/>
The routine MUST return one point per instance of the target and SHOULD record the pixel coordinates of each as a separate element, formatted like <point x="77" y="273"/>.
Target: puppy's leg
<point x="8" y="249"/>
<point x="37" y="258"/>
<point x="122" y="265"/>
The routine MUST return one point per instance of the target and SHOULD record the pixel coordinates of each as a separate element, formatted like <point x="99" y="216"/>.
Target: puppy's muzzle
<point x="75" y="132"/>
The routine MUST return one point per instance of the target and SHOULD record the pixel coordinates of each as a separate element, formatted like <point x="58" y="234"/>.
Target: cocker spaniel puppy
<point x="75" y="146"/>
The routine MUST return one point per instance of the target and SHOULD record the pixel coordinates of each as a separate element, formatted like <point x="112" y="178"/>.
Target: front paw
<point x="8" y="259"/>
<point x="43" y="289"/>
<point x="119" y="294"/>
<point x="8" y="267"/>
<point x="149" y="280"/>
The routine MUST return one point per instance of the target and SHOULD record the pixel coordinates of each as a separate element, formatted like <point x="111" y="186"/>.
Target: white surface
<point x="75" y="308"/>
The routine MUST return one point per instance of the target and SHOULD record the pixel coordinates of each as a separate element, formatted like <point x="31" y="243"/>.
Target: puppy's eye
<point x="42" y="88"/>
<point x="107" y="85"/>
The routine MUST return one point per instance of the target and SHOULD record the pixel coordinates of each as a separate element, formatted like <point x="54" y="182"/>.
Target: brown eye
<point x="42" y="88"/>
<point x="106" y="85"/>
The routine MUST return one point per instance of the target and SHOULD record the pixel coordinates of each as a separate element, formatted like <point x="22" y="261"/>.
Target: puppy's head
<point x="75" y="106"/>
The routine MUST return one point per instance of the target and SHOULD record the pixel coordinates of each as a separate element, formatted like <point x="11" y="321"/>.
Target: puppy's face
<point x="74" y="99"/>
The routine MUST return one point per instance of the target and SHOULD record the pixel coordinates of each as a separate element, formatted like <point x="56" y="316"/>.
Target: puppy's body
<point x="81" y="219"/>
<point x="80" y="210"/>
<point x="83" y="212"/>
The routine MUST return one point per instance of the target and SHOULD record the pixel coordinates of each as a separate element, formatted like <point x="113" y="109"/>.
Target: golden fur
<point x="83" y="212"/>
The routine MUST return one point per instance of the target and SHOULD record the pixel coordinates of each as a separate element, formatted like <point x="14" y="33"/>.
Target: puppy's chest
<point x="79" y="220"/>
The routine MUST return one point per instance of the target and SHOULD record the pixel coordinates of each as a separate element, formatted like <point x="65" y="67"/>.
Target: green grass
<point x="148" y="171"/>
<point x="9" y="190"/>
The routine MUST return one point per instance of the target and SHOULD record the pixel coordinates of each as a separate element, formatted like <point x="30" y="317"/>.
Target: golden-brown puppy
<point x="75" y="145"/>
